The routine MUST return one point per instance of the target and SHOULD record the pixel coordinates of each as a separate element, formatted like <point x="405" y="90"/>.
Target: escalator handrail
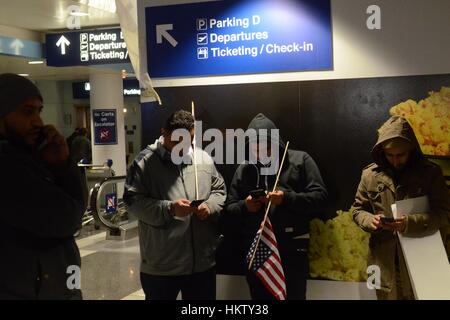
<point x="93" y="166"/>
<point x="95" y="201"/>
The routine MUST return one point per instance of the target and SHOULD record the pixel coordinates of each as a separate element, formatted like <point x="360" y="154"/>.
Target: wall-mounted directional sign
<point x="238" y="37"/>
<point x="22" y="48"/>
<point x="86" y="48"/>
<point x="81" y="90"/>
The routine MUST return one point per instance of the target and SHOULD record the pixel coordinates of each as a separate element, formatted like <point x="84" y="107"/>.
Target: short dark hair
<point x="180" y="119"/>
<point x="82" y="131"/>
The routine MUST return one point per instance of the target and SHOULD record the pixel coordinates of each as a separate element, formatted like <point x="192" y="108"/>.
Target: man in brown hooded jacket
<point x="399" y="172"/>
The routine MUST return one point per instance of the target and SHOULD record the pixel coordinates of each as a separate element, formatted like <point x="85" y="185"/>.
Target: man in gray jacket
<point x="177" y="240"/>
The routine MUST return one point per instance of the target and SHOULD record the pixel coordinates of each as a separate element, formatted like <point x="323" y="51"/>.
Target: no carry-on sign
<point x="105" y="126"/>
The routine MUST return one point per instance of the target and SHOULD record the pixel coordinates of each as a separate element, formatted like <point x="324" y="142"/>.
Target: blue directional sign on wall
<point x="20" y="47"/>
<point x="236" y="37"/>
<point x="86" y="47"/>
<point x="81" y="90"/>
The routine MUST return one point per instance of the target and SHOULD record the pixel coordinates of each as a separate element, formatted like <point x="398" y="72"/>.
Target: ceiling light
<point x="105" y="5"/>
<point x="125" y="110"/>
<point x="36" y="62"/>
<point x="24" y="74"/>
<point x="79" y="14"/>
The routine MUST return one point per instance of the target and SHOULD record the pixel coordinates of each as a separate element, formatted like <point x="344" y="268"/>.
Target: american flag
<point x="267" y="262"/>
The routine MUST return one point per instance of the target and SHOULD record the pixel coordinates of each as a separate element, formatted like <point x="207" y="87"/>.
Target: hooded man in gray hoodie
<point x="177" y="240"/>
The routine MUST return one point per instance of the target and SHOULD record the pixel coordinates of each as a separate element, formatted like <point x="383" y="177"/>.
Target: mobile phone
<point x="387" y="220"/>
<point x="258" y="193"/>
<point x="196" y="203"/>
<point x="41" y="141"/>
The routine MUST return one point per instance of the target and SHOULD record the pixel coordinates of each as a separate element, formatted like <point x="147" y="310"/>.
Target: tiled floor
<point x="138" y="295"/>
<point x="110" y="275"/>
<point x="110" y="271"/>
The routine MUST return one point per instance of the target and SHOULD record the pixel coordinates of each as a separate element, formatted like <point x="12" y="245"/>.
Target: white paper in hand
<point x="426" y="259"/>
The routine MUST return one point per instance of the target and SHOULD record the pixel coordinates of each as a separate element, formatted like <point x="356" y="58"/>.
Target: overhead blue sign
<point x="86" y="48"/>
<point x="238" y="37"/>
<point x="22" y="48"/>
<point x="82" y="90"/>
<point x="105" y="126"/>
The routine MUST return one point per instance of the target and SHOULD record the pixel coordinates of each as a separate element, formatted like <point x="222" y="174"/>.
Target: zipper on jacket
<point x="191" y="222"/>
<point x="257" y="175"/>
<point x="258" y="178"/>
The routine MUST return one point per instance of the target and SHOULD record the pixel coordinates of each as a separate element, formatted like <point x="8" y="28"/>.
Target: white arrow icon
<point x="63" y="42"/>
<point x="17" y="46"/>
<point x="161" y="31"/>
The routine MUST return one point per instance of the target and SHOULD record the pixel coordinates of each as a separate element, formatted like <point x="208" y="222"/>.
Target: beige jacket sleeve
<point x="362" y="209"/>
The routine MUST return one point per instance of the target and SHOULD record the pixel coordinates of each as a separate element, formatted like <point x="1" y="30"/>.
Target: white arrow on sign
<point x="17" y="46"/>
<point x="63" y="42"/>
<point x="161" y="31"/>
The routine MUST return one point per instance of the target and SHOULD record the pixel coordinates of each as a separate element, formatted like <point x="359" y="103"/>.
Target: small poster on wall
<point x="105" y="126"/>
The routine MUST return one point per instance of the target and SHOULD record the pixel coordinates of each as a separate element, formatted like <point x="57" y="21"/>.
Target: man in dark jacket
<point x="70" y="138"/>
<point x="399" y="172"/>
<point x="42" y="200"/>
<point x="300" y="194"/>
<point x="80" y="148"/>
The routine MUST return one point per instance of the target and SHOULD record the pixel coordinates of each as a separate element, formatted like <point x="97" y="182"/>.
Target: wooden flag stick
<point x="268" y="206"/>
<point x="193" y="155"/>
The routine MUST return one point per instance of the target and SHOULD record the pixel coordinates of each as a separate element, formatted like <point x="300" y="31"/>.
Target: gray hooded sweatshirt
<point x="171" y="246"/>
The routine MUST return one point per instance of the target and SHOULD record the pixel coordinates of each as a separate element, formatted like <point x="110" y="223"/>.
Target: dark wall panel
<point x="227" y="107"/>
<point x="334" y="120"/>
<point x="339" y="122"/>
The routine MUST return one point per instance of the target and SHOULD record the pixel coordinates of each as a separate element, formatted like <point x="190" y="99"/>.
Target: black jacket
<point x="40" y="211"/>
<point x="304" y="194"/>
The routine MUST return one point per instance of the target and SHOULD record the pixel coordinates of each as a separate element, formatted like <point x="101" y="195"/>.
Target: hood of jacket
<point x="395" y="127"/>
<point x="261" y="123"/>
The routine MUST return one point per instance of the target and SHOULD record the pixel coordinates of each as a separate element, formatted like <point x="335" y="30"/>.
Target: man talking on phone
<point x="399" y="172"/>
<point x="42" y="199"/>
<point x="178" y="233"/>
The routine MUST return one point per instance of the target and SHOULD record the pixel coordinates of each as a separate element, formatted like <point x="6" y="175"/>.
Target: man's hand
<point x="253" y="205"/>
<point x="277" y="197"/>
<point x="375" y="224"/>
<point x="56" y="152"/>
<point x="182" y="208"/>
<point x="202" y="212"/>
<point x="398" y="225"/>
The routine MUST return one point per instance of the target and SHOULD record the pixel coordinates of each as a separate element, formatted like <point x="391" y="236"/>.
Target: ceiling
<point x="10" y="64"/>
<point x="52" y="15"/>
<point x="45" y="15"/>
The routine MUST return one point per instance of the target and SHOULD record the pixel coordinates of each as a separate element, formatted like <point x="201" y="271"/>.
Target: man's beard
<point x="403" y="168"/>
<point x="16" y="139"/>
